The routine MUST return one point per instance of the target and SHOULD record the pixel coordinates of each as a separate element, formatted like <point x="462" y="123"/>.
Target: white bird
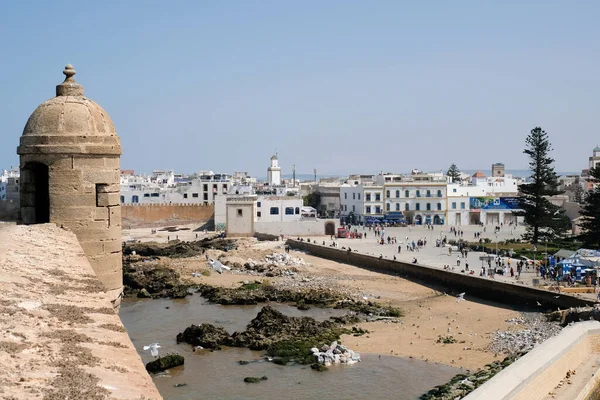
<point x="217" y="266"/>
<point x="153" y="349"/>
<point x="467" y="382"/>
<point x="460" y="297"/>
<point x="538" y="303"/>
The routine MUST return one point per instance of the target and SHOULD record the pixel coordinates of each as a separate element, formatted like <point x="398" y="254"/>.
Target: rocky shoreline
<point x="285" y="339"/>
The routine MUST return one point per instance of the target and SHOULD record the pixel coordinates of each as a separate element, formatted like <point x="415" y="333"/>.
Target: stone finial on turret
<point x="69" y="87"/>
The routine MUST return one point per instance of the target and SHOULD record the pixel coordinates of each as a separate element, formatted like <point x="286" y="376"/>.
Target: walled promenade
<point x="438" y="257"/>
<point x="60" y="337"/>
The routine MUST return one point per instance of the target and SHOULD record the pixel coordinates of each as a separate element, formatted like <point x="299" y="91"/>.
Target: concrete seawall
<point x="483" y="288"/>
<point x="60" y="337"/>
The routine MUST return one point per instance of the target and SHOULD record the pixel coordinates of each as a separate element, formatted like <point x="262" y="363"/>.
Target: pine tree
<point x="591" y="212"/>
<point x="543" y="219"/>
<point x="453" y="173"/>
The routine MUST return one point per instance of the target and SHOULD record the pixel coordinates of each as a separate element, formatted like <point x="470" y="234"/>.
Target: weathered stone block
<point x="89" y="162"/>
<point x="102" y="214"/>
<point x="65" y="176"/>
<point x="73" y="200"/>
<point x="114" y="215"/>
<point x="111" y="246"/>
<point x="112" y="163"/>
<point x="101" y="176"/>
<point x="66" y="188"/>
<point x="62" y="214"/>
<point x="107" y="199"/>
<point x="110" y="188"/>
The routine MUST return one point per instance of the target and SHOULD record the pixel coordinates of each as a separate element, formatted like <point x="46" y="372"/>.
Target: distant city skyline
<point x="340" y="86"/>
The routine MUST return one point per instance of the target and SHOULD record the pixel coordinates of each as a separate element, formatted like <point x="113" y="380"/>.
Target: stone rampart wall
<point x="61" y="336"/>
<point x="539" y="372"/>
<point x="167" y="212"/>
<point x="453" y="281"/>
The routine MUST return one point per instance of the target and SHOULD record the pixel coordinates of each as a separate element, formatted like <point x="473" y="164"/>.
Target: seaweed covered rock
<point x="146" y="279"/>
<point x="205" y="335"/>
<point x="253" y="379"/>
<point x="176" y="248"/>
<point x="258" y="292"/>
<point x="272" y="326"/>
<point x="163" y="363"/>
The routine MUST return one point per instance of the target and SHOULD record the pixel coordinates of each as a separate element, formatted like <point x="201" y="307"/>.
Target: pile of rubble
<point x="535" y="330"/>
<point x="284" y="260"/>
<point x="335" y="354"/>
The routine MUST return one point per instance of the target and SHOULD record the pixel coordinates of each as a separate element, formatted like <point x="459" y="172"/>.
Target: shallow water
<point x="217" y="375"/>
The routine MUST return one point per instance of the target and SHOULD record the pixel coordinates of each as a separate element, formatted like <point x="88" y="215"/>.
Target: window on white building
<point x="194" y="195"/>
<point x="258" y="213"/>
<point x="417" y="206"/>
<point x="439" y="206"/>
<point x="428" y="206"/>
<point x="377" y="196"/>
<point x="289" y="211"/>
<point x="428" y="193"/>
<point x="454" y="205"/>
<point x="185" y="195"/>
<point x="454" y="190"/>
<point x="359" y="196"/>
<point x="353" y="196"/>
<point x="368" y="210"/>
<point x="368" y="197"/>
<point x="274" y="211"/>
<point x="258" y="204"/>
<point x="407" y="207"/>
<point x="377" y="210"/>
<point x="439" y="193"/>
<point x="345" y="195"/>
<point x="406" y="193"/>
<point x="387" y="207"/>
<point x="387" y="194"/>
<point x="353" y="208"/>
<point x="397" y="193"/>
<point x="418" y="193"/>
<point x="462" y="205"/>
<point x="297" y="210"/>
<point x="240" y="212"/>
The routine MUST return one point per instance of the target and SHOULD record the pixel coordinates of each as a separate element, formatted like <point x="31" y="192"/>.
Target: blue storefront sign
<point x="494" y="203"/>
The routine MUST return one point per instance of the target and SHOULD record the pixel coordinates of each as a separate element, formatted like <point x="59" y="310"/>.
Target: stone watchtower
<point x="70" y="176"/>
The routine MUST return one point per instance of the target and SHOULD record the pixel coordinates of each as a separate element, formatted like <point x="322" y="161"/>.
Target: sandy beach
<point x="429" y="313"/>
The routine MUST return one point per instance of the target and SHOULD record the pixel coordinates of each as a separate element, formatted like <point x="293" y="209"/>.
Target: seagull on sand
<point x="460" y="297"/>
<point x="153" y="349"/>
<point x="217" y="266"/>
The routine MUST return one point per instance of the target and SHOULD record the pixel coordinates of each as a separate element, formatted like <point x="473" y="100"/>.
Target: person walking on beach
<point x="457" y="261"/>
<point x="399" y="249"/>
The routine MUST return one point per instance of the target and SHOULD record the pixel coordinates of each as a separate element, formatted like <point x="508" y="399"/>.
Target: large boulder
<point x="163" y="363"/>
<point x="205" y="335"/>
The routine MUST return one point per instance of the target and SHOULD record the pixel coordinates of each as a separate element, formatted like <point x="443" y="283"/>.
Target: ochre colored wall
<point x="164" y="212"/>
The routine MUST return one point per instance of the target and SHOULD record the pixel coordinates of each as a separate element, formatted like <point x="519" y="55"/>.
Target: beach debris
<point x="335" y="354"/>
<point x="216" y="265"/>
<point x="460" y="297"/>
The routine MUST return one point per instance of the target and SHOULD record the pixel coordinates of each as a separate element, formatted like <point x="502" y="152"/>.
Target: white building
<point x="420" y="202"/>
<point x="278" y="208"/>
<point x="274" y="172"/>
<point x="9" y="185"/>
<point x="351" y="201"/>
<point x="372" y="201"/>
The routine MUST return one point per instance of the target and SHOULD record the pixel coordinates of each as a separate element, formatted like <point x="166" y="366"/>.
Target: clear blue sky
<point x="341" y="86"/>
